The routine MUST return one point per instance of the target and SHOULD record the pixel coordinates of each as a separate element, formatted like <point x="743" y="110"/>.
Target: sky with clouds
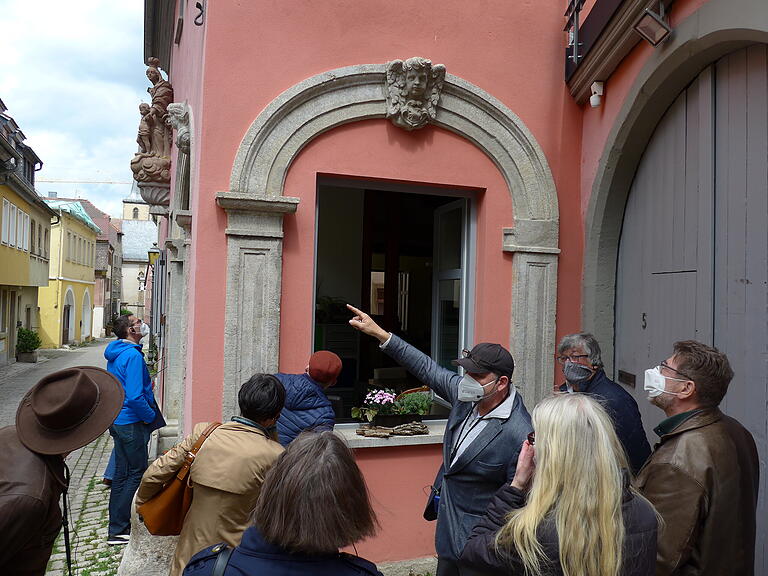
<point x="72" y="77"/>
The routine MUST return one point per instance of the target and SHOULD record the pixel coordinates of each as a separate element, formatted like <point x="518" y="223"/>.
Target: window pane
<point x="449" y="240"/>
<point x="6" y="210"/>
<point x="19" y="229"/>
<point x="449" y="295"/>
<point x="12" y="227"/>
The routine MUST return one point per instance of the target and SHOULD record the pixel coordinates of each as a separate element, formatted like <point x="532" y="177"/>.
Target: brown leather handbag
<point x="164" y="513"/>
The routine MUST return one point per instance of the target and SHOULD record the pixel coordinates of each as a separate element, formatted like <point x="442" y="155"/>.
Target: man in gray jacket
<point x="486" y="428"/>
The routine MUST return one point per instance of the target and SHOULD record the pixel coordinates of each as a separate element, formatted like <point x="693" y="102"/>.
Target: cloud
<point x="73" y="77"/>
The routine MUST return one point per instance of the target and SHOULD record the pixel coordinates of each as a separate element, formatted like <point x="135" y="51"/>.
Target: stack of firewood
<point x="412" y="429"/>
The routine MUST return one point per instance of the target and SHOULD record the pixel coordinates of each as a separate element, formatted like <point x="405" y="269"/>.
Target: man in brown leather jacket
<point x="703" y="475"/>
<point x="63" y="412"/>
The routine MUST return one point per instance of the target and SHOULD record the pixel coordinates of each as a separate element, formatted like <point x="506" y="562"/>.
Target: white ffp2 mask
<point x="470" y="390"/>
<point x="655" y="383"/>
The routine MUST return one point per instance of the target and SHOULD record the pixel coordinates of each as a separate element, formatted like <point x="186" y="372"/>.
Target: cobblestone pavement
<point x="89" y="499"/>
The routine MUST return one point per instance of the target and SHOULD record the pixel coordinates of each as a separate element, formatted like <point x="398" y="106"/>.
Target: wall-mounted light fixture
<point x="652" y="26"/>
<point x="597" y="94"/>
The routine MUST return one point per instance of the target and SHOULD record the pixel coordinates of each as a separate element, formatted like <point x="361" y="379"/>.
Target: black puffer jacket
<point x="639" y="543"/>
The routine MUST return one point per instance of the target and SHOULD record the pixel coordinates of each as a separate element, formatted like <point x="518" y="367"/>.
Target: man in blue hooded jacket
<point x="130" y="430"/>
<point x="306" y="405"/>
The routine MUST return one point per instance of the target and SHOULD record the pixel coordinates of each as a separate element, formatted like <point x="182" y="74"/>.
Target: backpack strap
<point x="223" y="553"/>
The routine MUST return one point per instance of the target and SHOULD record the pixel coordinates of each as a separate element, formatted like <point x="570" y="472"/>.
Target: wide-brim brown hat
<point x="68" y="409"/>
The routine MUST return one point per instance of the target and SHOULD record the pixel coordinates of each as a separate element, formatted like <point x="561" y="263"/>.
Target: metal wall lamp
<point x="652" y="26"/>
<point x="153" y="254"/>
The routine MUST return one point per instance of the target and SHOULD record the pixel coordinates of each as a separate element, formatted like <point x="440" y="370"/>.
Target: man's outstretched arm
<point x="441" y="380"/>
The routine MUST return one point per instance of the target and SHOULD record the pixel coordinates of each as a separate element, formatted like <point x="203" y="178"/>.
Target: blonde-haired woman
<point x="569" y="509"/>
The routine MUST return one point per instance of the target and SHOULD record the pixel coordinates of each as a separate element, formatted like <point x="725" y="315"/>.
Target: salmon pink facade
<point x="507" y="218"/>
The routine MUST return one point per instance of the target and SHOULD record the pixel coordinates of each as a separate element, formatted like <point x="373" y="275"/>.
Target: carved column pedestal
<point x="533" y="244"/>
<point x="254" y="273"/>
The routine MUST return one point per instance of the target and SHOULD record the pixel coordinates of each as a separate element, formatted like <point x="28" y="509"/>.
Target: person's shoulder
<point x="639" y="513"/>
<point x="358" y="565"/>
<point x="612" y="392"/>
<point x="204" y="561"/>
<point x="519" y="417"/>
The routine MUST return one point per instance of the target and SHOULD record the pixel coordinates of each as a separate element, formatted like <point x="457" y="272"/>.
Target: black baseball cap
<point x="487" y="357"/>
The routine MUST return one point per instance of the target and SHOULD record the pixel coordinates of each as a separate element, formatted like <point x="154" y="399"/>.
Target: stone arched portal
<point x="255" y="206"/>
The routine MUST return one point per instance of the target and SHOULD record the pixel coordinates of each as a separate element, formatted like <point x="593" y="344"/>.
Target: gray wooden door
<point x="693" y="255"/>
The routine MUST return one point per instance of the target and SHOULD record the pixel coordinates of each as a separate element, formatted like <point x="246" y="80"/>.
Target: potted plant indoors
<point x="27" y="343"/>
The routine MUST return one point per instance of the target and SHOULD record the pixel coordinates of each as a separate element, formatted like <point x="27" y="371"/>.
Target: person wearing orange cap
<point x="306" y="405"/>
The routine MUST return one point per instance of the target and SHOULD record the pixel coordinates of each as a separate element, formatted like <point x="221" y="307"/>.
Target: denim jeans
<point x="109" y="472"/>
<point x="130" y="464"/>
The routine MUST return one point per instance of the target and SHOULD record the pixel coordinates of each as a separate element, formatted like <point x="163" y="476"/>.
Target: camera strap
<point x="65" y="519"/>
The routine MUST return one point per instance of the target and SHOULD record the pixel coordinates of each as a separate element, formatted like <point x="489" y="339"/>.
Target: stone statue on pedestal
<point x="151" y="166"/>
<point x="413" y="91"/>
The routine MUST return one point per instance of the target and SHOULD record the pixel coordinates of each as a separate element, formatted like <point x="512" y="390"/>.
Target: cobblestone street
<point x="89" y="498"/>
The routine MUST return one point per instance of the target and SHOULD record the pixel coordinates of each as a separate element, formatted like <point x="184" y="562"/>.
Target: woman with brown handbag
<point x="227" y="472"/>
<point x="314" y="502"/>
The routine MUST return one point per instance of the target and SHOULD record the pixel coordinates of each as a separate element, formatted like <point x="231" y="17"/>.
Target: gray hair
<point x="585" y="341"/>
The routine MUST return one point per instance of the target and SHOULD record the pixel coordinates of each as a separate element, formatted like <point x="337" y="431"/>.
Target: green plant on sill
<point x="416" y="403"/>
<point x="27" y="341"/>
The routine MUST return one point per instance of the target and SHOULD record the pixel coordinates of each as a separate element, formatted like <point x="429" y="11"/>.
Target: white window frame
<point x="12" y="225"/>
<point x="19" y="229"/>
<point x="6" y="212"/>
<point x="26" y="232"/>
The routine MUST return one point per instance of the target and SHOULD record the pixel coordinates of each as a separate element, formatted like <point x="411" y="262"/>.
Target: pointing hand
<point x="365" y="324"/>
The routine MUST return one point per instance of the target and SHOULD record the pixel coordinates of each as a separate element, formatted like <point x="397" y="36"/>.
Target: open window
<point x="403" y="254"/>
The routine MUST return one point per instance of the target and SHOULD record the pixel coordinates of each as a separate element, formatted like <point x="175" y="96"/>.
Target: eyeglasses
<point x="663" y="364"/>
<point x="573" y="358"/>
<point x="468" y="355"/>
<point x="532" y="438"/>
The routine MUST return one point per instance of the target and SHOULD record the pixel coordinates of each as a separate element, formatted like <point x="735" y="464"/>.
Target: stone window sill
<point x="435" y="436"/>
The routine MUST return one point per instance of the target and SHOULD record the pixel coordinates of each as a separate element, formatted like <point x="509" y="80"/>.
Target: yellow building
<point x="66" y="304"/>
<point x="24" y="242"/>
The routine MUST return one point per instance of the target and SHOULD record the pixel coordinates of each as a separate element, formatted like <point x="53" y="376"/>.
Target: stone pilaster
<point x="533" y="244"/>
<point x="255" y="258"/>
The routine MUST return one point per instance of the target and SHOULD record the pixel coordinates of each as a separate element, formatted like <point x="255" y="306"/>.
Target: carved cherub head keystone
<point x="413" y="91"/>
